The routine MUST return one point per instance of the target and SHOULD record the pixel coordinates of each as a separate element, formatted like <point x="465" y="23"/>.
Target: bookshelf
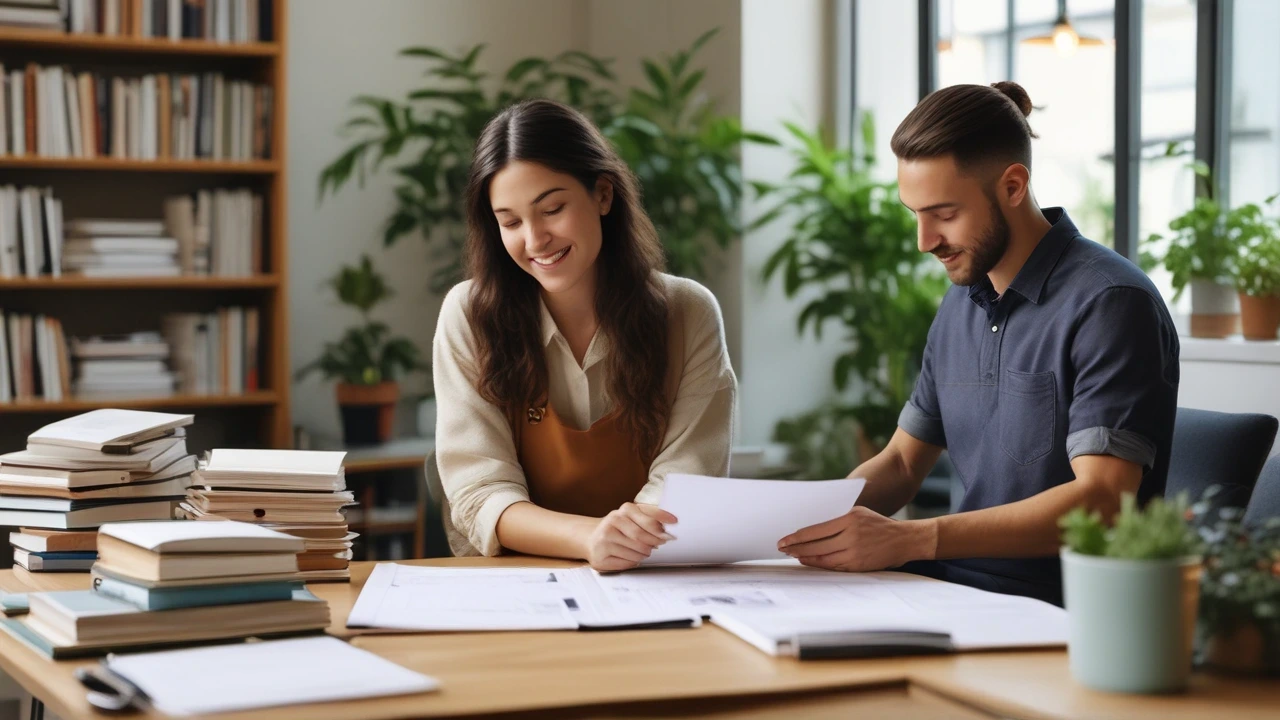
<point x="133" y="188"/>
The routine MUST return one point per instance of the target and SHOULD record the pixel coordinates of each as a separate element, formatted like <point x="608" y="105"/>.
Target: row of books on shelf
<point x="213" y="353"/>
<point x="213" y="232"/>
<point x="218" y="20"/>
<point x="179" y="549"/>
<point x="55" y="112"/>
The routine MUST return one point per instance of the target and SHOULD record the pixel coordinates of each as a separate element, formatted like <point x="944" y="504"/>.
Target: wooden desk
<point x="703" y="673"/>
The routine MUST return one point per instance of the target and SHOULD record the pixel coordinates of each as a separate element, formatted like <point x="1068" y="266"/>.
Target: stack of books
<point x="34" y="360"/>
<point x="99" y="467"/>
<point x="130" y="365"/>
<point x="119" y="248"/>
<point x="163" y="583"/>
<point x="297" y="492"/>
<point x="219" y="232"/>
<point x="39" y="14"/>
<point x="31" y="230"/>
<point x="40" y="550"/>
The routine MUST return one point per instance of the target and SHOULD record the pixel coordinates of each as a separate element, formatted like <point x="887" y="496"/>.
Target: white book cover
<point x="59" y="127"/>
<point x="125" y="244"/>
<point x="42" y="147"/>
<point x="175" y="19"/>
<point x="6" y="389"/>
<point x="10" y="233"/>
<point x="30" y="229"/>
<point x="119" y="111"/>
<point x="71" y="98"/>
<point x="203" y="537"/>
<point x="4" y="111"/>
<point x="150" y="125"/>
<point x="101" y="427"/>
<point x="98" y="228"/>
<point x="18" y="112"/>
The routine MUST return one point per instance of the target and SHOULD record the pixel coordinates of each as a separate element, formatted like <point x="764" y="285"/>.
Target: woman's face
<point x="550" y="223"/>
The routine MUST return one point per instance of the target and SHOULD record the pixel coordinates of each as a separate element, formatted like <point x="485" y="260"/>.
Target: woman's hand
<point x="626" y="536"/>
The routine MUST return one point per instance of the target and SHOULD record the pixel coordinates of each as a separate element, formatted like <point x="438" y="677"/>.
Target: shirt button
<point x="995" y="328"/>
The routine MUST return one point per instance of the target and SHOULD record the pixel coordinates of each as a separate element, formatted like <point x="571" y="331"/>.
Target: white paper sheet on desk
<point x="823" y="599"/>
<point x="226" y="678"/>
<point x="725" y="520"/>
<point x="433" y="599"/>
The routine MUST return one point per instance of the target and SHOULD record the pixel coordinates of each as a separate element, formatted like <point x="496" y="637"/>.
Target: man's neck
<point x="1026" y="230"/>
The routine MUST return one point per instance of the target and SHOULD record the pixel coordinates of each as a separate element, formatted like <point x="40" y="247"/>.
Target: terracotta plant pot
<point x="1214" y="310"/>
<point x="1260" y="316"/>
<point x="368" y="412"/>
<point x="1243" y="650"/>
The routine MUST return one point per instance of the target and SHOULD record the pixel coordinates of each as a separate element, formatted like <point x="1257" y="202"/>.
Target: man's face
<point x="959" y="221"/>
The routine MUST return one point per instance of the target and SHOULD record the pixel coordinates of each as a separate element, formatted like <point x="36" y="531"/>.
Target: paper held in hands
<point x="726" y="520"/>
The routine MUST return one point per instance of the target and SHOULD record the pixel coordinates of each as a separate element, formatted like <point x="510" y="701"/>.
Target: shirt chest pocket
<point x="1028" y="412"/>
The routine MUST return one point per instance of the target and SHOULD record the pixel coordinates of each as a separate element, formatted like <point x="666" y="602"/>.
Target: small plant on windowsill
<point x="1239" y="628"/>
<point x="1258" y="271"/>
<point x="1131" y="592"/>
<point x="366" y="360"/>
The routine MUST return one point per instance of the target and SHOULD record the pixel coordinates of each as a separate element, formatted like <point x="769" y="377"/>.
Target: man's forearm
<point x="532" y="530"/>
<point x="1027" y="528"/>
<point x="890" y="485"/>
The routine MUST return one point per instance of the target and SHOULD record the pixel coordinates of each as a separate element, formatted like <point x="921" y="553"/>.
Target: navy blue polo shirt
<point x="1078" y="357"/>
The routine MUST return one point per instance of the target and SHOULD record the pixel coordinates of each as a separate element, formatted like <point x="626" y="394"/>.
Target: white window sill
<point x="1234" y="349"/>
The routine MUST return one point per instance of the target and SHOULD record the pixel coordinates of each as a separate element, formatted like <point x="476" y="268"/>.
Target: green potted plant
<point x="852" y="248"/>
<point x="366" y="360"/>
<point x="1131" y="593"/>
<point x="1239" y="629"/>
<point x="1200" y="253"/>
<point x="1258" y="271"/>
<point x="683" y="150"/>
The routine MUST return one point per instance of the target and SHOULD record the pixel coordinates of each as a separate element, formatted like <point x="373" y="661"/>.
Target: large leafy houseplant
<point x="852" y="247"/>
<point x="366" y="360"/>
<point x="684" y="152"/>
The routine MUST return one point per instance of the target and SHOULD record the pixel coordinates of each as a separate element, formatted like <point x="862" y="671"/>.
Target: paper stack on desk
<point x="297" y="492"/>
<point x="102" y="466"/>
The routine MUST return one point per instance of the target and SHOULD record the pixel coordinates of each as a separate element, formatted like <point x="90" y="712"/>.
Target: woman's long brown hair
<point x="630" y="305"/>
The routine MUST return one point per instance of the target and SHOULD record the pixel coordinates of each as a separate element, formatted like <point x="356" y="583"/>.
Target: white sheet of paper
<point x="725" y="520"/>
<point x="227" y="678"/>
<point x="408" y="597"/>
<point x="812" y="599"/>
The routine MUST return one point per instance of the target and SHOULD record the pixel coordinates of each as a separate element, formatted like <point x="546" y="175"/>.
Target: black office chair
<point x="1265" y="502"/>
<point x="1214" y="448"/>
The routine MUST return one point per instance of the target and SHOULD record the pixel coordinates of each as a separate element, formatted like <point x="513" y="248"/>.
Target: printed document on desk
<point x="432" y="599"/>
<point x="783" y="602"/>
<point x="726" y="520"/>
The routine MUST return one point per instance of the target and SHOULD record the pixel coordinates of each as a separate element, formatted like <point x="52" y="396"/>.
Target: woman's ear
<point x="604" y="195"/>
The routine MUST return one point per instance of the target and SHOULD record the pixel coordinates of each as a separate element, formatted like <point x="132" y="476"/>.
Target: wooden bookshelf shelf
<point x="153" y="403"/>
<point x="226" y="167"/>
<point x="142" y="283"/>
<point x="83" y="42"/>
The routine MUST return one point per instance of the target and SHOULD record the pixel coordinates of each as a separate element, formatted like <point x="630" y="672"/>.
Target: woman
<point x="571" y="374"/>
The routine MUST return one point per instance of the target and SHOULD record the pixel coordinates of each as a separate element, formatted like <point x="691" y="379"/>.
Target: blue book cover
<point x="66" y="555"/>
<point x="188" y="597"/>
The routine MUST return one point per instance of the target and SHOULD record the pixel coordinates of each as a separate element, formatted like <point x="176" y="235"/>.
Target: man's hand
<point x="626" y="536"/>
<point x="862" y="540"/>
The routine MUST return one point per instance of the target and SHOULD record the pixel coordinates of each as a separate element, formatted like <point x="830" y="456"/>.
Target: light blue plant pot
<point x="1131" y="623"/>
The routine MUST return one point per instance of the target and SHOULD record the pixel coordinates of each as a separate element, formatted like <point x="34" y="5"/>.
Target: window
<point x="1253" y="170"/>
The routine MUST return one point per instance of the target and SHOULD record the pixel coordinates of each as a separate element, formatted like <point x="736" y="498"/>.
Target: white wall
<point x="786" y="75"/>
<point x="339" y="49"/>
<point x="629" y="31"/>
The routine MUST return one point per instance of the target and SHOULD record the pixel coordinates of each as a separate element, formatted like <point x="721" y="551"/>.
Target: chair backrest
<point x="1265" y="502"/>
<point x="1214" y="448"/>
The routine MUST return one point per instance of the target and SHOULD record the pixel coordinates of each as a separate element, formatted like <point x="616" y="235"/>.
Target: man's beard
<point x="986" y="252"/>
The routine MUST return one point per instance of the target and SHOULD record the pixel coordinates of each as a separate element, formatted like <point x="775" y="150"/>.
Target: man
<point x="1050" y="372"/>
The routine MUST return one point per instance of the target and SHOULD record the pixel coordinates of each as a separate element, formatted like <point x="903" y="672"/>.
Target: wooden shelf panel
<point x="143" y="283"/>
<point x="84" y="42"/>
<point x="226" y="167"/>
<point x="154" y="403"/>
